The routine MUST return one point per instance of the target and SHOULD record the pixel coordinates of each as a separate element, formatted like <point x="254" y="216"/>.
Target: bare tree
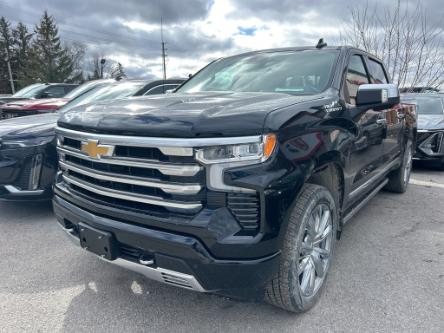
<point x="403" y="38"/>
<point x="103" y="67"/>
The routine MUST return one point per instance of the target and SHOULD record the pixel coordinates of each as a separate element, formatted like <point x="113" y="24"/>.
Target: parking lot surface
<point x="387" y="276"/>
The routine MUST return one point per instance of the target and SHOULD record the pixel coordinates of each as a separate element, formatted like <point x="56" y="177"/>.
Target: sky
<point x="195" y="31"/>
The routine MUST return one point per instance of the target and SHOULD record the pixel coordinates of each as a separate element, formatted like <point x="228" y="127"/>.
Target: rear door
<point x="394" y="116"/>
<point x="366" y="154"/>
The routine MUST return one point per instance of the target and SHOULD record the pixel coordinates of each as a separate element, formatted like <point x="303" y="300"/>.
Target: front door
<point x="366" y="158"/>
<point x="394" y="116"/>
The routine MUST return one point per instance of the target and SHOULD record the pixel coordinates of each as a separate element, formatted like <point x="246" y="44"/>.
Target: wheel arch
<point x="330" y="174"/>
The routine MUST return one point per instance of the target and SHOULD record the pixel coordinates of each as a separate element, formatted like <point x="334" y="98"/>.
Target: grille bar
<point x="164" y="186"/>
<point x="158" y="201"/>
<point x="157" y="142"/>
<point x="168" y="169"/>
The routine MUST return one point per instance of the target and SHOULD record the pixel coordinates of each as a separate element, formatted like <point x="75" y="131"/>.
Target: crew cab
<point x="240" y="182"/>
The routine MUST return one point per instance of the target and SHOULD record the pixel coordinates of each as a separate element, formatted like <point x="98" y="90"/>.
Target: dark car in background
<point x="28" y="158"/>
<point x="28" y="107"/>
<point x="430" y="140"/>
<point x="40" y="90"/>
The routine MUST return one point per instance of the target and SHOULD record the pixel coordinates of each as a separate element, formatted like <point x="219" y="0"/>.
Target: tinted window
<point x="356" y="75"/>
<point x="55" y="91"/>
<point x="161" y="89"/>
<point x="68" y="88"/>
<point x="377" y="73"/>
<point x="427" y="105"/>
<point x="293" y="72"/>
<point x="30" y="91"/>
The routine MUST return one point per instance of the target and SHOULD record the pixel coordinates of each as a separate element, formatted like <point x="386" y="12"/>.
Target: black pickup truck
<point x="238" y="183"/>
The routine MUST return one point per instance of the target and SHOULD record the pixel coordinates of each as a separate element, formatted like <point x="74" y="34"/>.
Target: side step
<point x="356" y="209"/>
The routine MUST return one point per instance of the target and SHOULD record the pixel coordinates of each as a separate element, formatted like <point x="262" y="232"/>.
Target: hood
<point x="205" y="114"/>
<point x="36" y="104"/>
<point x="27" y="127"/>
<point x="430" y="122"/>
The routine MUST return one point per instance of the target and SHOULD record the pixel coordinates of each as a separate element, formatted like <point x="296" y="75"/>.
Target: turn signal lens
<point x="269" y="145"/>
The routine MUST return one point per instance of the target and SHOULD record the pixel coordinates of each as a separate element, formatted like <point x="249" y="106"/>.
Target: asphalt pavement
<point x="387" y="276"/>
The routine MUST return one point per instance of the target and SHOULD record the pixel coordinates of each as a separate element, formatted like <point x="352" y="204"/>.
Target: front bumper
<point x="173" y="258"/>
<point x="430" y="145"/>
<point x="18" y="169"/>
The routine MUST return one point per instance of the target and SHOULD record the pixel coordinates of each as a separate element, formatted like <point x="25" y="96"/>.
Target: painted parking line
<point x="425" y="183"/>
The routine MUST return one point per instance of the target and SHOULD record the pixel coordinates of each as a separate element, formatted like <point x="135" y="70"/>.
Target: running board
<point x="364" y="202"/>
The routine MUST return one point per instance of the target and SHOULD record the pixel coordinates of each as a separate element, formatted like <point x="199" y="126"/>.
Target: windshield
<point x="80" y="90"/>
<point x="428" y="105"/>
<point x="101" y="93"/>
<point x="293" y="72"/>
<point x="30" y="91"/>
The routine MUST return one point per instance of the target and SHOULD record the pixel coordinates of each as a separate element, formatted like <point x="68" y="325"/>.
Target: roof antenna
<point x="321" y="44"/>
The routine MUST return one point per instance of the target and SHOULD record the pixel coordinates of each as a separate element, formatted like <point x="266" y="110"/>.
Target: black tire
<point x="399" y="178"/>
<point x="285" y="289"/>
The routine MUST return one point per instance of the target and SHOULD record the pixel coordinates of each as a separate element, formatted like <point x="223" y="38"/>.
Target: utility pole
<point x="163" y="50"/>
<point x="11" y="80"/>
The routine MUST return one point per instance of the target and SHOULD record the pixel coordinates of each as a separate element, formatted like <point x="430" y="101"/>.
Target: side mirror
<point x="378" y="94"/>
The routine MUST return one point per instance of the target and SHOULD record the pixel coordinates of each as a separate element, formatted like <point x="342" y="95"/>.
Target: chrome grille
<point x="135" y="175"/>
<point x="160" y="177"/>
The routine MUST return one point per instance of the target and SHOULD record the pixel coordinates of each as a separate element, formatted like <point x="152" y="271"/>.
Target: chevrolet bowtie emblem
<point x="94" y="150"/>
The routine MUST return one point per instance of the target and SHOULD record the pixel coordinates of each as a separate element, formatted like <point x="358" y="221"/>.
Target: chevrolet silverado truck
<point x="240" y="181"/>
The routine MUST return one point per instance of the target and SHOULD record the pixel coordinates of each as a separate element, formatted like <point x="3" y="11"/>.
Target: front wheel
<point x="307" y="251"/>
<point x="399" y="179"/>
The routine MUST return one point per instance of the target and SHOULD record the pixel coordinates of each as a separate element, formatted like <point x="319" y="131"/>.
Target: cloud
<point x="195" y="31"/>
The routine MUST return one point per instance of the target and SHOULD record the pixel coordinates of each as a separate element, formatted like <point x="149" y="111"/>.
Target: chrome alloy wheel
<point x="315" y="250"/>
<point x="407" y="163"/>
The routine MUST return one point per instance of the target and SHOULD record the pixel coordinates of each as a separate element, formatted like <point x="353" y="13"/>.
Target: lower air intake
<point x="245" y="207"/>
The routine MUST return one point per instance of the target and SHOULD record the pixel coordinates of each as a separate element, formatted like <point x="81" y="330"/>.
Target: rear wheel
<point x="307" y="251"/>
<point x="399" y="179"/>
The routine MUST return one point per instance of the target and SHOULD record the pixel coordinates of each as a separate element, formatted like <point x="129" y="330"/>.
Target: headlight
<point x="220" y="158"/>
<point x="254" y="151"/>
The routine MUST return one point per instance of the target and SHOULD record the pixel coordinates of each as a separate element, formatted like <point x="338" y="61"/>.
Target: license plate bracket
<point x="101" y="243"/>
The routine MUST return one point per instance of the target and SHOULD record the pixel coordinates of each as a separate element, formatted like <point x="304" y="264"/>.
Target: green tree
<point x="54" y="62"/>
<point x="6" y="44"/>
<point x="22" y="54"/>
